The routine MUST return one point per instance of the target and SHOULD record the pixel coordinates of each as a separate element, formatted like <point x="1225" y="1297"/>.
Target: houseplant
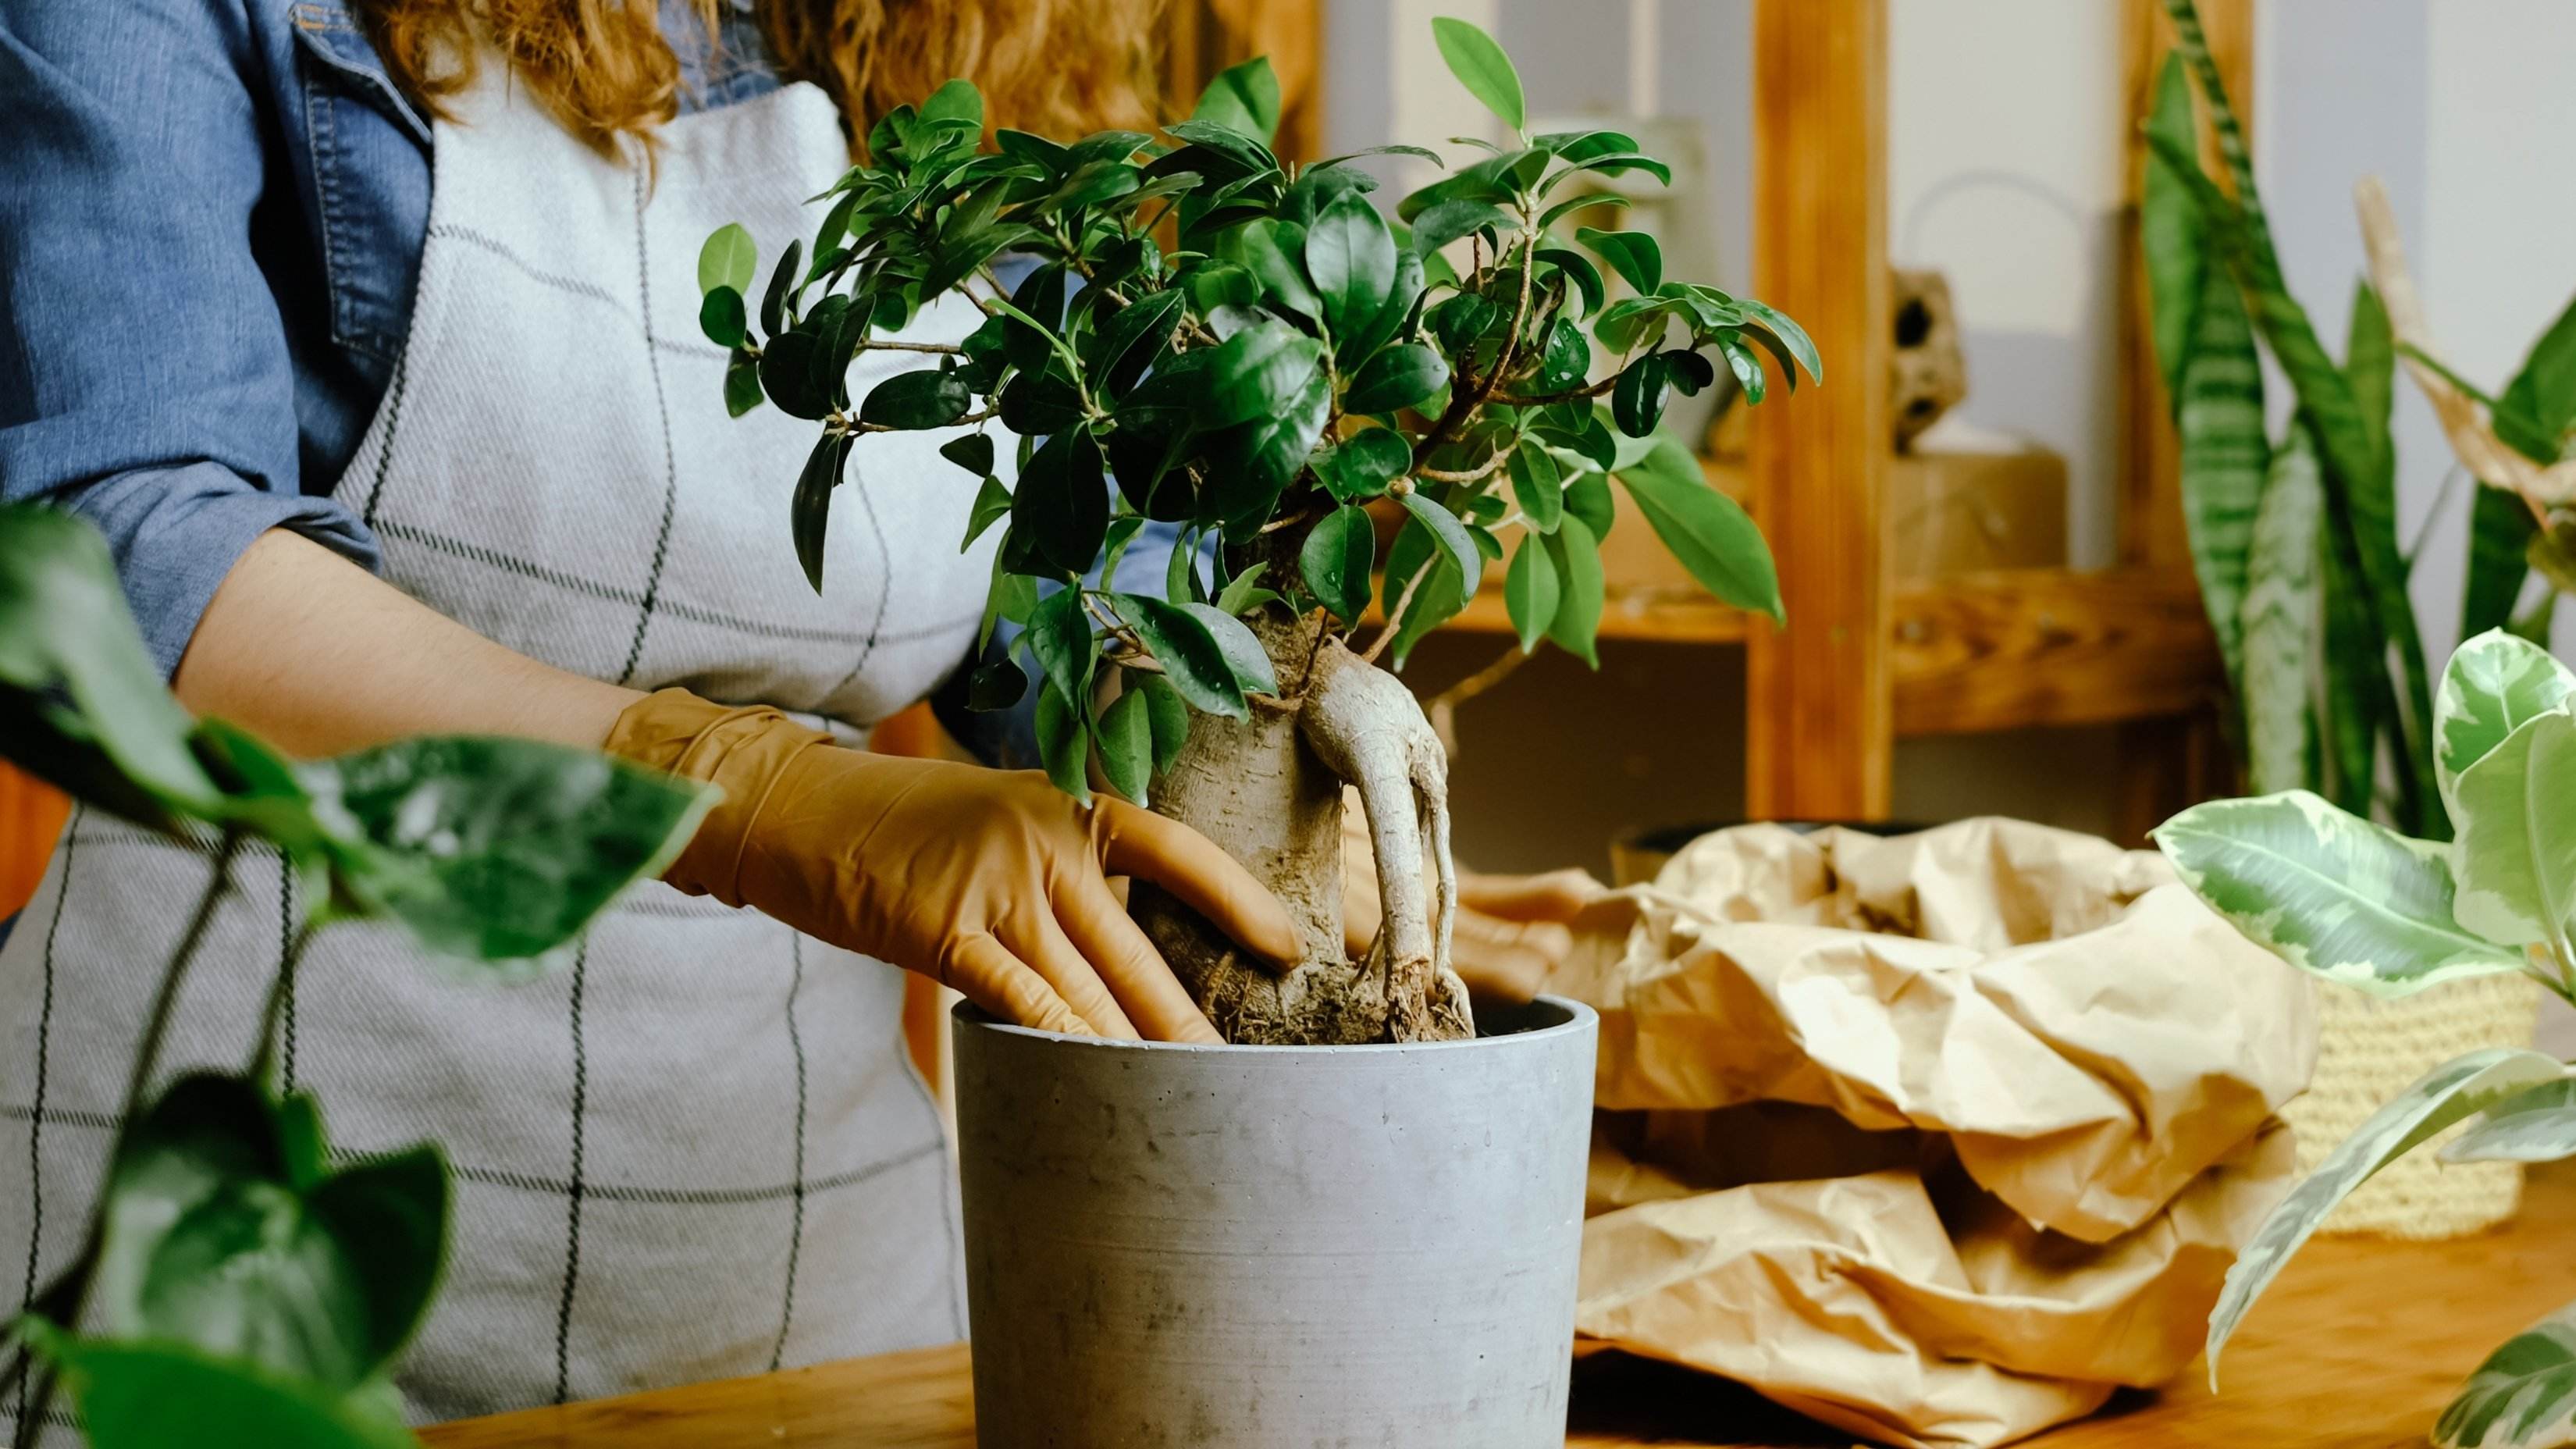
<point x="2371" y="909"/>
<point x="240" y="1283"/>
<point x="1359" y="1219"/>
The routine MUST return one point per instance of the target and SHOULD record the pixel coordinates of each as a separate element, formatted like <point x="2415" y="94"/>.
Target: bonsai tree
<point x="2376" y="911"/>
<point x="237" y="1283"/>
<point x="1248" y="351"/>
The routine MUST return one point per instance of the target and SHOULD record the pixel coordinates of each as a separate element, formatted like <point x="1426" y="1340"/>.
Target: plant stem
<point x="66" y="1299"/>
<point x="263" y="1063"/>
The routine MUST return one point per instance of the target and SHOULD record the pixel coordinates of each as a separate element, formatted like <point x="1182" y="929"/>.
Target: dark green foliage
<point x="1285" y="351"/>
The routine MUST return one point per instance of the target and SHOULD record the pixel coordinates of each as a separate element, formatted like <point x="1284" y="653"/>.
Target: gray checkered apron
<point x="700" y="1151"/>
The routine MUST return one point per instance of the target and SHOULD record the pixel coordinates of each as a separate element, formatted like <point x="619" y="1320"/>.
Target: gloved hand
<point x="993" y="882"/>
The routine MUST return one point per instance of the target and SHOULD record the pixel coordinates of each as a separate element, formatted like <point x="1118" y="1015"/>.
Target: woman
<point x="367" y="336"/>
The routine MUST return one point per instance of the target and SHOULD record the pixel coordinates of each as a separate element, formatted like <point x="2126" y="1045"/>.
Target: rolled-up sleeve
<point x="145" y="377"/>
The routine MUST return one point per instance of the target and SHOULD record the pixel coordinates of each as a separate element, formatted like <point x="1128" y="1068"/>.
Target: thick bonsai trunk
<point x="1269" y="791"/>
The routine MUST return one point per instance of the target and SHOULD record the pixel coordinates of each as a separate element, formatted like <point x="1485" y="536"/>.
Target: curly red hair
<point x="605" y="69"/>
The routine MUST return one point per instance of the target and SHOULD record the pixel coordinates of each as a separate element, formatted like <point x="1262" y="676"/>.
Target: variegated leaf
<point x="2537" y="1126"/>
<point x="2329" y="892"/>
<point x="2495" y="682"/>
<point x="2284" y="623"/>
<point x="2523" y="1396"/>
<point x="2516" y="850"/>
<point x="2442" y="1096"/>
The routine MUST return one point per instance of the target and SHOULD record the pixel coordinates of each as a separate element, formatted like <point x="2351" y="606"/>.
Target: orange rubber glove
<point x="993" y="882"/>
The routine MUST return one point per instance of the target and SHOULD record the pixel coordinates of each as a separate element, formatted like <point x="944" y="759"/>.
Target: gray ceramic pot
<point x="1267" y="1247"/>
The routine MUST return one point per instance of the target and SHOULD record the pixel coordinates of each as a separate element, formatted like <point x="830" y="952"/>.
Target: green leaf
<point x="1365" y="462"/>
<point x="992" y="502"/>
<point x="995" y="684"/>
<point x="1537" y="486"/>
<point x="973" y="452"/>
<point x="1634" y="255"/>
<point x="1251" y="464"/>
<point x="1637" y="399"/>
<point x="809" y="508"/>
<point x="721" y="317"/>
<point x="1243" y="98"/>
<point x="1480" y="66"/>
<point x="1588" y="498"/>
<point x="741" y="384"/>
<point x="930" y="398"/>
<point x="2500" y="530"/>
<point x="955" y="100"/>
<point x="2282" y="624"/>
<point x="1064" y="743"/>
<point x="1451" y="535"/>
<point x="82" y="705"/>
<point x="1243" y="593"/>
<point x="1351" y="257"/>
<point x="1336" y="559"/>
<point x="2522" y="1397"/>
<point x="1012" y="596"/>
<point x="1169" y="715"/>
<point x="2516" y="849"/>
<point x="1060" y="637"/>
<point x="2539" y="404"/>
<point x="1398" y="377"/>
<point x="2370" y="361"/>
<point x="1062" y="501"/>
<point x="1126" y="743"/>
<point x="2173" y="237"/>
<point x="1444" y="222"/>
<point x="727" y="259"/>
<point x="1707" y="532"/>
<point x="494" y="849"/>
<point x="1578" y="267"/>
<point x="2225" y="458"/>
<point x="787" y="375"/>
<point x="1530" y="591"/>
<point x="1256" y="372"/>
<point x="1179" y="639"/>
<point x="1241" y="648"/>
<point x="2329" y="892"/>
<point x="1607" y="200"/>
<point x="1272" y="250"/>
<point x="151" y="1395"/>
<point x="1423" y="588"/>
<point x="773" y="303"/>
<point x="1576" y="619"/>
<point x="2538" y="1125"/>
<point x="1790" y="336"/>
<point x="1134" y="339"/>
<point x="210" y="1240"/>
<point x="2454" y="1090"/>
<point x="2494" y="685"/>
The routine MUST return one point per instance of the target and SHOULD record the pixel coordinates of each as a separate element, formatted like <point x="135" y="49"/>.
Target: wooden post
<point x="1819" y="726"/>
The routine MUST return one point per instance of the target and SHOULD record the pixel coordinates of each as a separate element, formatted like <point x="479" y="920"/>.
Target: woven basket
<point x="2370" y="1048"/>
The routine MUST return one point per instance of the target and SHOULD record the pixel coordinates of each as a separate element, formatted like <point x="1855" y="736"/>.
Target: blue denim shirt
<point x="211" y="221"/>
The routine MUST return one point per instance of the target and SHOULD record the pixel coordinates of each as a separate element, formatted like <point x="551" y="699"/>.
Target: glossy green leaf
<point x="1064" y="743"/>
<point x="1423" y="588"/>
<point x="955" y="100"/>
<point x="82" y="705"/>
<point x="1790" y="336"/>
<point x="782" y="281"/>
<point x="995" y="684"/>
<point x="2515" y="809"/>
<point x="2495" y="684"/>
<point x="973" y="452"/>
<point x="1192" y="658"/>
<point x="742" y="385"/>
<point x="1135" y="338"/>
<point x="2522" y="1397"/>
<point x="1336" y="559"/>
<point x="930" y="398"/>
<point x="1365" y="462"/>
<point x="1244" y="98"/>
<point x="153" y="1395"/>
<point x="2329" y="892"/>
<point x="1480" y="66"/>
<point x="809" y="508"/>
<point x="1060" y="638"/>
<point x="2458" y="1088"/>
<point x="1530" y="591"/>
<point x="1451" y="535"/>
<point x="727" y="259"/>
<point x="1256" y="372"/>
<point x="721" y="317"/>
<point x="1634" y="255"/>
<point x="2282" y="625"/>
<point x="1445" y="222"/>
<point x="1588" y="498"/>
<point x="1576" y="620"/>
<point x="2538" y="1125"/>
<point x="1396" y="378"/>
<point x="1274" y="252"/>
<point x="1167" y="713"/>
<point x="1251" y="464"/>
<point x="1243" y="593"/>
<point x="1637" y="400"/>
<point x="1707" y="532"/>
<point x="1241" y="648"/>
<point x="1537" y="485"/>
<point x="992" y="503"/>
<point x="787" y="375"/>
<point x="499" y="850"/>
<point x="1062" y="500"/>
<point x="1351" y="257"/>
<point x="1126" y="745"/>
<point x="1579" y="269"/>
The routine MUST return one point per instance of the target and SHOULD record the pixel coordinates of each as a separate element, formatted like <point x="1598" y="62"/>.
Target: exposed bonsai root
<point x="1269" y="791"/>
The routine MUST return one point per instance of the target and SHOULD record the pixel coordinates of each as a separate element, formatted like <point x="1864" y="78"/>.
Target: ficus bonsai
<point x="1247" y="350"/>
<point x="240" y="1283"/>
<point x="2370" y="909"/>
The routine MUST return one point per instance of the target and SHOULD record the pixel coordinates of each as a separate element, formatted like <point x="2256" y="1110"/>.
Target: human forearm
<point x="318" y="656"/>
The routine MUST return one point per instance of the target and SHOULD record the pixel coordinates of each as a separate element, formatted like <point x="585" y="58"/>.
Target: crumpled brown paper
<point x="1938" y="1138"/>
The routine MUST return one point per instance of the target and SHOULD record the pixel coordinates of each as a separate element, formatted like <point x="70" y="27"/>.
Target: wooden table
<point x="2357" y="1346"/>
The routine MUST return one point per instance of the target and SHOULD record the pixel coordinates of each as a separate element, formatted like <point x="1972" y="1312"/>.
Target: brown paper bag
<point x="1940" y="1138"/>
